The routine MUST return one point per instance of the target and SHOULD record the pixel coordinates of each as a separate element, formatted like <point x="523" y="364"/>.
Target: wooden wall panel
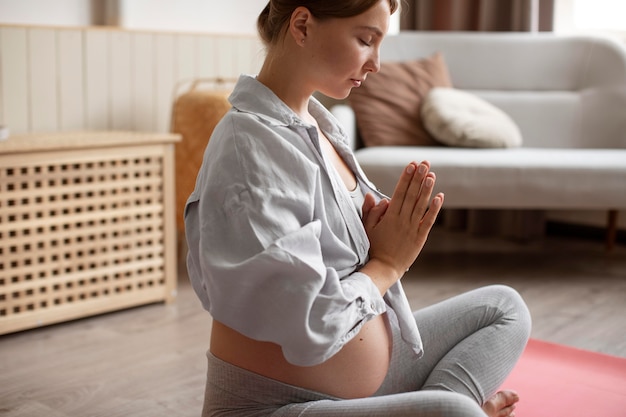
<point x="206" y="56"/>
<point x="249" y="56"/>
<point x="97" y="76"/>
<point x="225" y="57"/>
<point x="165" y="79"/>
<point x="121" y="75"/>
<point x="143" y="83"/>
<point x="43" y="92"/>
<point x="185" y="57"/>
<point x="14" y="79"/>
<point x="61" y="79"/>
<point x="71" y="80"/>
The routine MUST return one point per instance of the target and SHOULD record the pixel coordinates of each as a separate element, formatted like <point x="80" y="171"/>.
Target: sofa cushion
<point x="387" y="105"/>
<point x="459" y="118"/>
<point x="522" y="178"/>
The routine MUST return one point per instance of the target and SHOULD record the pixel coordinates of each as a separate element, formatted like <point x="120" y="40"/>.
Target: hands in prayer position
<point x="398" y="228"/>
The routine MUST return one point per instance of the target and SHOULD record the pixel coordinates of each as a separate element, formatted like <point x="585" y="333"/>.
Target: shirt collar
<point x="252" y="96"/>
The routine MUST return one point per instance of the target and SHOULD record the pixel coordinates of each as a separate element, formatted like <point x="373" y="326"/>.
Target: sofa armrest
<point x="347" y="119"/>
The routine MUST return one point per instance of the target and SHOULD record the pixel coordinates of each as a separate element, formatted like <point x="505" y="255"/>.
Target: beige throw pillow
<point x="459" y="118"/>
<point x="387" y="105"/>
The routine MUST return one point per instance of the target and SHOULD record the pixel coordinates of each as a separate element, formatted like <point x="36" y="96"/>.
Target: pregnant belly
<point x="356" y="371"/>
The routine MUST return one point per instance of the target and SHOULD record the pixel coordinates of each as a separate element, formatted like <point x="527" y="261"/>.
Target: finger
<point x="414" y="195"/>
<point x="380" y="209"/>
<point x="375" y="214"/>
<point x="424" y="198"/>
<point x="399" y="197"/>
<point x="399" y="193"/>
<point x="368" y="203"/>
<point x="431" y="215"/>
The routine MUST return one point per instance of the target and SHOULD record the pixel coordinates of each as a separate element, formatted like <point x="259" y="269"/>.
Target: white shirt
<point x="275" y="242"/>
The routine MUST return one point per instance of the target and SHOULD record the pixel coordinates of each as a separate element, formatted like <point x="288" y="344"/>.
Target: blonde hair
<point x="275" y="16"/>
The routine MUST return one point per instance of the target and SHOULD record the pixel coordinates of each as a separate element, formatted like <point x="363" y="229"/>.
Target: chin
<point x="338" y="94"/>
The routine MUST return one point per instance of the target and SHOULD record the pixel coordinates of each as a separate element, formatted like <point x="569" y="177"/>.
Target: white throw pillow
<point x="459" y="118"/>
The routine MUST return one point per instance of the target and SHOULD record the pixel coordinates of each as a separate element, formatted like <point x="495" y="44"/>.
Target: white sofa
<point x="567" y="95"/>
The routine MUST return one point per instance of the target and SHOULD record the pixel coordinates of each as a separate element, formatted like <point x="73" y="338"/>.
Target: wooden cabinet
<point x="87" y="225"/>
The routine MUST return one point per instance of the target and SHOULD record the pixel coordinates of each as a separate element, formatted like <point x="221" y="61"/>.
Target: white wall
<point x="590" y="16"/>
<point x="208" y="16"/>
<point x="221" y="16"/>
<point x="46" y="12"/>
<point x="216" y="16"/>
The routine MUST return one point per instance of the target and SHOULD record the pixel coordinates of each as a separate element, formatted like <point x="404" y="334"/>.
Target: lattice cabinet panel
<point x="86" y="225"/>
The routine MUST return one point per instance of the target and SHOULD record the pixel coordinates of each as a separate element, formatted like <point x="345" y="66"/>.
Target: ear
<point x="299" y="24"/>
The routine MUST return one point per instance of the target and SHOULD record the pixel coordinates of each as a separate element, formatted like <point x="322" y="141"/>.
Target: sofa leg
<point x="611" y="230"/>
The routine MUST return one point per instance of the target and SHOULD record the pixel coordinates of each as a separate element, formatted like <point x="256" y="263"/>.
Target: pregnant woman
<point x="299" y="259"/>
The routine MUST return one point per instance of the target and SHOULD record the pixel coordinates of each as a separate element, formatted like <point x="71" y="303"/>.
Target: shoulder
<point x="252" y="149"/>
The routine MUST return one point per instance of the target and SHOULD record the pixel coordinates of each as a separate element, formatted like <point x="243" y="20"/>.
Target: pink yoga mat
<point x="558" y="381"/>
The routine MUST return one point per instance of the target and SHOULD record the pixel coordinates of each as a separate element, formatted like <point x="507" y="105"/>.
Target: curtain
<point x="477" y="15"/>
<point x="485" y="16"/>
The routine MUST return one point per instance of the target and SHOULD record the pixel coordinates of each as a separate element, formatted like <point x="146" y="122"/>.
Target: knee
<point x="514" y="308"/>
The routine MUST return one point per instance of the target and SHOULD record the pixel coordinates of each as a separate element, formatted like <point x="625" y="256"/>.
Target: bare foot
<point x="502" y="404"/>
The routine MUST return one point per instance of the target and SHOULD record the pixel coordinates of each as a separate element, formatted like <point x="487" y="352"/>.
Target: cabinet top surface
<point x="36" y="142"/>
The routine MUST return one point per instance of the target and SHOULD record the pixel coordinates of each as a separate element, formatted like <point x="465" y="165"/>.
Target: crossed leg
<point x="473" y="351"/>
<point x="471" y="344"/>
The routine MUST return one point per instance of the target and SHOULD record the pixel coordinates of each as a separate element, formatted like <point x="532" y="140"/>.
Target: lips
<point x="356" y="83"/>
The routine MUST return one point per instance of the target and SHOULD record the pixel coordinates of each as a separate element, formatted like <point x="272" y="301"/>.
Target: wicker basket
<point x="195" y="114"/>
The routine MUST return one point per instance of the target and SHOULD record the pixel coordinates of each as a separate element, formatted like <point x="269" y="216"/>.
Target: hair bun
<point x="263" y="26"/>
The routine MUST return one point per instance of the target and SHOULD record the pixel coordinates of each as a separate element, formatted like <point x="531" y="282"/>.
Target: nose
<point x="373" y="62"/>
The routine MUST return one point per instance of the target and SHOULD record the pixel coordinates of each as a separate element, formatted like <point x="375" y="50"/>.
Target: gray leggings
<point x="471" y="343"/>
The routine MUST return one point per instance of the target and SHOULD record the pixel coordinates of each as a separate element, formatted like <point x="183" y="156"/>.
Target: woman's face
<point x="344" y="51"/>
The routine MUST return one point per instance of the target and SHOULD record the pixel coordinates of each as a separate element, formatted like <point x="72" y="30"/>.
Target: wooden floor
<point x="149" y="361"/>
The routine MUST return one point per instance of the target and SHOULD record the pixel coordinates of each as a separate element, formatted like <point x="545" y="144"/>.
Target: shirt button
<point x="373" y="306"/>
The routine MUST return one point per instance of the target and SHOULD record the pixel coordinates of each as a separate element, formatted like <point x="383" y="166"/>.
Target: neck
<point x="284" y="77"/>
